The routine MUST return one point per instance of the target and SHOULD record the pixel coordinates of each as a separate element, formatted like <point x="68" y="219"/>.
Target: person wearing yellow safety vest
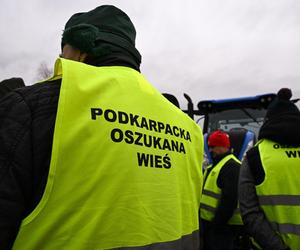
<point x="269" y="185"/>
<point x="219" y="214"/>
<point x="95" y="157"/>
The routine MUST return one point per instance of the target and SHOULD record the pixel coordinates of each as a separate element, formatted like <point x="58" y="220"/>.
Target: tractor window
<point x="250" y="119"/>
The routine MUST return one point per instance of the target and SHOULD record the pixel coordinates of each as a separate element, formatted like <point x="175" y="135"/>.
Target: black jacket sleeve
<point x="228" y="183"/>
<point x="15" y="179"/>
<point x="27" y="120"/>
<point x="253" y="217"/>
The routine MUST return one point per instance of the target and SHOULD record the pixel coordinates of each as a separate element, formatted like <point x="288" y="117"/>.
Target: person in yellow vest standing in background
<point x="219" y="214"/>
<point x="95" y="157"/>
<point x="269" y="186"/>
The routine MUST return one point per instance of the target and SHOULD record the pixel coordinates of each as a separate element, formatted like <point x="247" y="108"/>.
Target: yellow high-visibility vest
<point x="279" y="193"/>
<point x="125" y="168"/>
<point x="211" y="193"/>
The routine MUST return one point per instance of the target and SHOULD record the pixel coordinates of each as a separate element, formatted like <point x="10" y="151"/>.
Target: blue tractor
<point x="240" y="117"/>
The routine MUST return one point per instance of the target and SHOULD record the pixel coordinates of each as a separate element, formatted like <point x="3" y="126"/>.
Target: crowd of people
<point x="96" y="158"/>
<point x="255" y="204"/>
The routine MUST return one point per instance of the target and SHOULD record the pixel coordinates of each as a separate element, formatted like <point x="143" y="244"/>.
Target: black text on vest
<point x="293" y="153"/>
<point x="156" y="161"/>
<point x="140" y="139"/>
<point x="140" y="122"/>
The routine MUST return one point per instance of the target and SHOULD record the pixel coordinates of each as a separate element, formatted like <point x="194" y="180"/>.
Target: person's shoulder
<point x="19" y="104"/>
<point x="255" y="165"/>
<point x="253" y="153"/>
<point x="40" y="94"/>
<point x="229" y="172"/>
<point x="39" y="90"/>
<point x="233" y="163"/>
<point x="31" y="98"/>
<point x="230" y="167"/>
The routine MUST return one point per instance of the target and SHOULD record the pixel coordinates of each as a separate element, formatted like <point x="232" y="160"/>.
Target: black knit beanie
<point x="85" y="31"/>
<point x="281" y="105"/>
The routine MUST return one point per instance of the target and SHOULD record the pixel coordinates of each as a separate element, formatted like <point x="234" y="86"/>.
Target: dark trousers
<point x="218" y="237"/>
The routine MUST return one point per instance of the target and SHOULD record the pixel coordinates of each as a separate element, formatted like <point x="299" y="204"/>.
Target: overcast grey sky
<point x="206" y="48"/>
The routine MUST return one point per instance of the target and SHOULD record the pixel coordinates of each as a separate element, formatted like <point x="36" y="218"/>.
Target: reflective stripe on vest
<point x="125" y="169"/>
<point x="211" y="193"/>
<point x="279" y="194"/>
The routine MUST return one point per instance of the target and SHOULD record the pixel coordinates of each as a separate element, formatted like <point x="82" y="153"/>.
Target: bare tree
<point x="44" y="71"/>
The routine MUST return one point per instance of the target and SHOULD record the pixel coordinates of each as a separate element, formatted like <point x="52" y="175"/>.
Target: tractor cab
<point x="241" y="118"/>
